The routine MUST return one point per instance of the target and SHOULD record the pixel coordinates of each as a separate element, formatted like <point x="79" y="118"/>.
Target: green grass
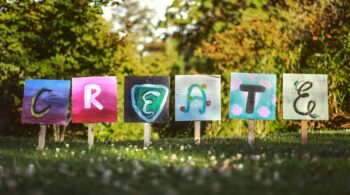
<point x="275" y="165"/>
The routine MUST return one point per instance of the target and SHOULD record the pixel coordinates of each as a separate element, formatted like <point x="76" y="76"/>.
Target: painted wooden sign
<point x="253" y="96"/>
<point x="305" y="97"/>
<point x="94" y="99"/>
<point x="146" y="99"/>
<point x="45" y="101"/>
<point x="197" y="97"/>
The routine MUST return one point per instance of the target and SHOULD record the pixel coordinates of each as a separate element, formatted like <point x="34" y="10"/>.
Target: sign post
<point x="45" y="102"/>
<point x="42" y="134"/>
<point x="197" y="132"/>
<point x="197" y="98"/>
<point x="91" y="135"/>
<point x="253" y="97"/>
<point x="251" y="136"/>
<point x="305" y="97"/>
<point x="147" y="134"/>
<point x="304" y="132"/>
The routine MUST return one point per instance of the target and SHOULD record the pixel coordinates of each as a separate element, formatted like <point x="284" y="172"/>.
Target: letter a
<point x="90" y="98"/>
<point x="202" y="98"/>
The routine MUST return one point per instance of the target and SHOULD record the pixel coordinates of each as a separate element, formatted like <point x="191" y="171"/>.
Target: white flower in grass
<point x="255" y="157"/>
<point x="182" y="159"/>
<point x="225" y="171"/>
<point x="189" y="157"/>
<point x="67" y="145"/>
<point x="112" y="145"/>
<point x="222" y="156"/>
<point x="137" y="166"/>
<point x="57" y="150"/>
<point x="161" y="149"/>
<point x="276" y="176"/>
<point x="214" y="163"/>
<point x="189" y="146"/>
<point x="127" y="149"/>
<point x="212" y="158"/>
<point x="165" y="157"/>
<point x="30" y="170"/>
<point x="72" y="153"/>
<point x="145" y="148"/>
<point x="173" y="157"/>
<point x="56" y="155"/>
<point x="83" y="152"/>
<point x="44" y="153"/>
<point x="238" y="167"/>
<point x="106" y="175"/>
<point x="182" y="148"/>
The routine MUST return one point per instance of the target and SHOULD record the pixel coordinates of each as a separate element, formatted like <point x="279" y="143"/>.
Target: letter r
<point x="90" y="98"/>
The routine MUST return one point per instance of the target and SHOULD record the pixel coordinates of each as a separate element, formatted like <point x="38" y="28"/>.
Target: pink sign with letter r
<point x="94" y="99"/>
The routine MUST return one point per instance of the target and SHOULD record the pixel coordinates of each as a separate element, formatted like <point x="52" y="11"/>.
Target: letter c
<point x="33" y="110"/>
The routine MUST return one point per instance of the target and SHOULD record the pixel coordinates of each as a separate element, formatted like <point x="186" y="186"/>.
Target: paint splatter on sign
<point x="305" y="97"/>
<point x="94" y="99"/>
<point x="253" y="96"/>
<point x="197" y="98"/>
<point x="45" y="101"/>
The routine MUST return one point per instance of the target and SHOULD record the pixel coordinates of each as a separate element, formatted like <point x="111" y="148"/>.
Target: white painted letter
<point x="90" y="98"/>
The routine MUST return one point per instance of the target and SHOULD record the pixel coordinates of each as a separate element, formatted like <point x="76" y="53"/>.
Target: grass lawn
<point x="275" y="165"/>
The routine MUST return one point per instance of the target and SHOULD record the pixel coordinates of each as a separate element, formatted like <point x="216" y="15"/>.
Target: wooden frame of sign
<point x="253" y="97"/>
<point x="305" y="97"/>
<point x="197" y="98"/>
<point x="146" y="100"/>
<point x="94" y="99"/>
<point x="45" y="102"/>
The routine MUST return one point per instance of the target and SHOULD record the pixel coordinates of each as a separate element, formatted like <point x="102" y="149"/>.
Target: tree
<point x="54" y="39"/>
<point x="264" y="36"/>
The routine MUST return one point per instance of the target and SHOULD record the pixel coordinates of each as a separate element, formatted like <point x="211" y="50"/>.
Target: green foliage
<point x="55" y="39"/>
<point x="265" y="36"/>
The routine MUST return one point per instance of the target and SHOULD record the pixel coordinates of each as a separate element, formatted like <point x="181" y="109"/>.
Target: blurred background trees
<point x="58" y="39"/>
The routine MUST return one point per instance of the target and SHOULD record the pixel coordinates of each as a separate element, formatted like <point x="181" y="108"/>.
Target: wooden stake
<point x="303" y="132"/>
<point x="251" y="135"/>
<point x="90" y="135"/>
<point x="147" y="134"/>
<point x="42" y="134"/>
<point x="197" y="132"/>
